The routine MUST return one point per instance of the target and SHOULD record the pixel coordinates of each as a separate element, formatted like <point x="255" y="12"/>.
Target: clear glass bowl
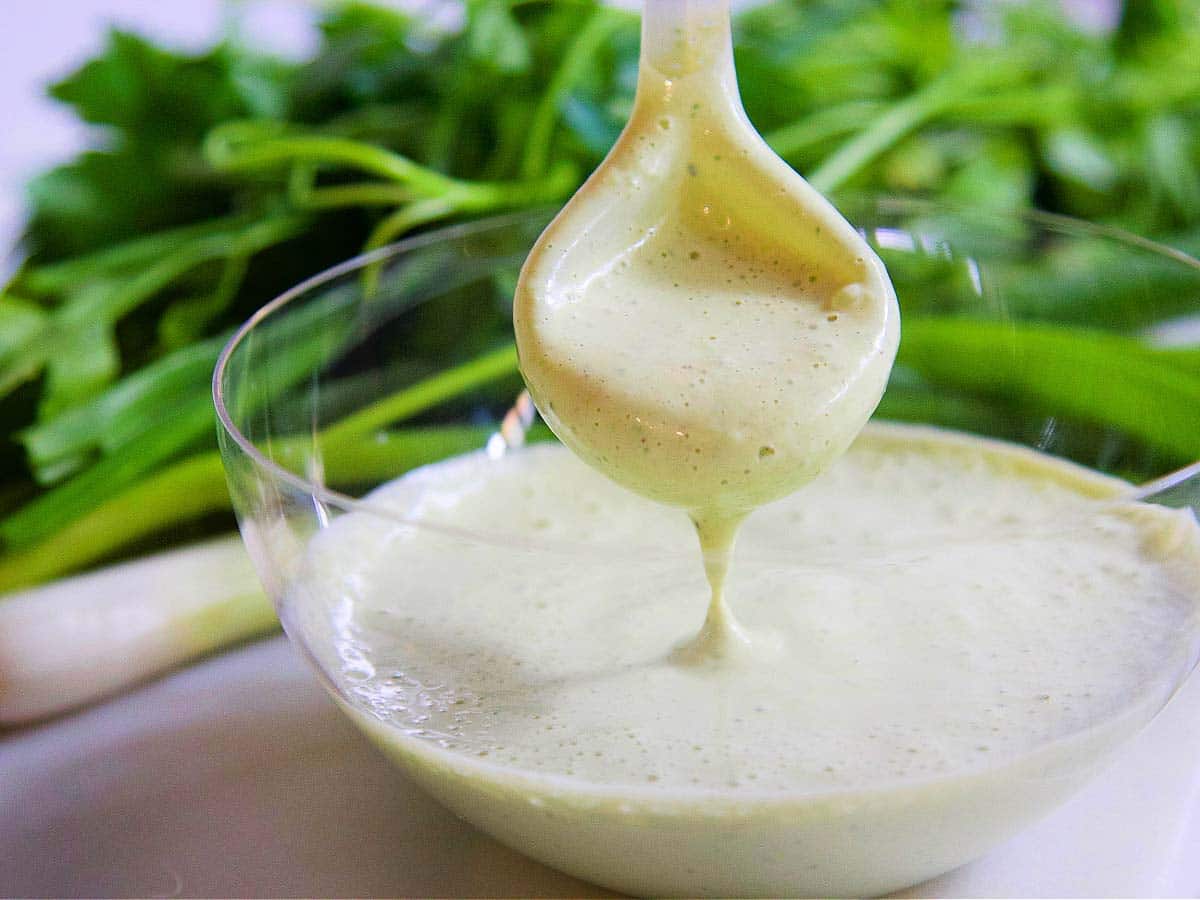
<point x="1029" y="328"/>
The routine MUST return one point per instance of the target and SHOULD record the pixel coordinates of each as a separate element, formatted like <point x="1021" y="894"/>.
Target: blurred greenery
<point x="227" y="176"/>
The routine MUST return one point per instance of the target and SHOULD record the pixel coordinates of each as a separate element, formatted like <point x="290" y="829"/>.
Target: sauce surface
<point x="938" y="604"/>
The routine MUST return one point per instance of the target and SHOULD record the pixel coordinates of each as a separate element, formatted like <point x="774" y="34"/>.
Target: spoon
<point x="698" y="322"/>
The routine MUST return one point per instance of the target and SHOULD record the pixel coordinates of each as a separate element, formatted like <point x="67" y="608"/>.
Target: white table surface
<point x="239" y="777"/>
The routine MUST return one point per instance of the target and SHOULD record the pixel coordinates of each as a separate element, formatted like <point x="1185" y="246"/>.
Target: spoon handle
<point x="681" y="36"/>
<point x="1176" y="489"/>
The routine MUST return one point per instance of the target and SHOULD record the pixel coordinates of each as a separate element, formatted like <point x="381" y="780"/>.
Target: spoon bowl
<point x="698" y="322"/>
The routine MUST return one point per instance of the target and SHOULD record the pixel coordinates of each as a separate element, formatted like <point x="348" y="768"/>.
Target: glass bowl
<point x="1068" y="338"/>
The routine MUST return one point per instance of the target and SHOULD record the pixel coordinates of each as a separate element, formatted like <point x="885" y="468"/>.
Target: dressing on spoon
<point x="699" y="323"/>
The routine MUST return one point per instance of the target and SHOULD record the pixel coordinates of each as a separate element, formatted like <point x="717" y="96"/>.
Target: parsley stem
<point x="466" y="197"/>
<point x="426" y="394"/>
<point x="303" y="194"/>
<point x="226" y="152"/>
<point x="888" y="129"/>
<point x="823" y="125"/>
<point x="575" y="63"/>
<point x="419" y="212"/>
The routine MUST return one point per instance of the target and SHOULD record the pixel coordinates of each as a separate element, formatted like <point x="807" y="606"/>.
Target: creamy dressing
<point x="964" y="623"/>
<point x="698" y="323"/>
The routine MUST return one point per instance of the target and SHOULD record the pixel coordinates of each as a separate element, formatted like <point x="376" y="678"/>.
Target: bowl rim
<point x="884" y="203"/>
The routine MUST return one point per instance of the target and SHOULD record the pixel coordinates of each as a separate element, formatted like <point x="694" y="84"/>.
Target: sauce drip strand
<point x="698" y="323"/>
